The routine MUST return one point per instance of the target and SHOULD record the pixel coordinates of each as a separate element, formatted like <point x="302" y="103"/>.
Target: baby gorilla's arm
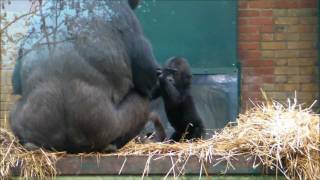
<point x="169" y="92"/>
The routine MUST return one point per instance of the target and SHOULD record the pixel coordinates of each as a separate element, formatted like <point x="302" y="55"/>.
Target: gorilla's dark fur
<point x="179" y="105"/>
<point x="89" y="90"/>
<point x="153" y="131"/>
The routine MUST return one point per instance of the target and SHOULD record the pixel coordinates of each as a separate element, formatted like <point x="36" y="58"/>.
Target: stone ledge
<point x="72" y="165"/>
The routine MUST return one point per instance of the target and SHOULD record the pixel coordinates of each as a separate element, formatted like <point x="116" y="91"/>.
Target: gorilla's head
<point x="183" y="76"/>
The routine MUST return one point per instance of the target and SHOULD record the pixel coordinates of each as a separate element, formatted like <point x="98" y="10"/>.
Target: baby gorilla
<point x="175" y="82"/>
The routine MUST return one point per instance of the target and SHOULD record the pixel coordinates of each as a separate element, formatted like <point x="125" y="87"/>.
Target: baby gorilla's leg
<point x="176" y="136"/>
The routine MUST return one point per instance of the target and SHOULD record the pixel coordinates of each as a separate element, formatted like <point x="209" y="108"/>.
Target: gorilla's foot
<point x="110" y="148"/>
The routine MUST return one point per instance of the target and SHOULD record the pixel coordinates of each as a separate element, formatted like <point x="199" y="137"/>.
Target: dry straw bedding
<point x="285" y="138"/>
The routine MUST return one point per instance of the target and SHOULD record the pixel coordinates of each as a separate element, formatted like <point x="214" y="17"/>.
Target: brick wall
<point x="9" y="55"/>
<point x="277" y="49"/>
<point x="6" y="97"/>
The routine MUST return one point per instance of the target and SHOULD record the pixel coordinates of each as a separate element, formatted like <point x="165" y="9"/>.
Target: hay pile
<point x="37" y="164"/>
<point x="285" y="138"/>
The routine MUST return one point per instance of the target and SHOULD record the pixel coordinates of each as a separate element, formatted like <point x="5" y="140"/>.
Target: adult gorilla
<point x="85" y="75"/>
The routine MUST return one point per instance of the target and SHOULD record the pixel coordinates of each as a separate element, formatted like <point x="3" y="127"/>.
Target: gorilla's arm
<point x="170" y="92"/>
<point x="144" y="66"/>
<point x="156" y="92"/>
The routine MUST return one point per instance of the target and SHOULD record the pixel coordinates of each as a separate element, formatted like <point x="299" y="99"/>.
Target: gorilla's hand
<point x="166" y="74"/>
<point x="159" y="72"/>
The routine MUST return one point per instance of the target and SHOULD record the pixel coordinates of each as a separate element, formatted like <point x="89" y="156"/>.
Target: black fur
<point x="88" y="90"/>
<point x="153" y="130"/>
<point x="179" y="105"/>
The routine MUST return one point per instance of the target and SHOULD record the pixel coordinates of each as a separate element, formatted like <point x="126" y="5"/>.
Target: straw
<point x="281" y="137"/>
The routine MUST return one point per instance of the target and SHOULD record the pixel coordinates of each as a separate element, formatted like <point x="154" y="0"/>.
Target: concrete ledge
<point x="72" y="165"/>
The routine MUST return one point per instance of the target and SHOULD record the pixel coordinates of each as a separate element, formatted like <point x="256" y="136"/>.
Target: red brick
<point x="308" y="70"/>
<point x="248" y="13"/>
<point x="286" y="4"/>
<point x="248" y="79"/>
<point x="281" y="62"/>
<point x="280" y="12"/>
<point x="267" y="37"/>
<point x="305" y="12"/>
<point x="293" y="36"/>
<point x="253" y="87"/>
<point x="308" y="4"/>
<point x="308" y="20"/>
<point x="280" y="28"/>
<point x="260" y="21"/>
<point x="267" y="54"/>
<point x="311" y="62"/>
<point x="273" y="45"/>
<point x="248" y="29"/>
<point x="281" y="79"/>
<point x="267" y="13"/>
<point x="250" y="59"/>
<point x="260" y="4"/>
<point x="305" y="96"/>
<point x="301" y="45"/>
<point x="249" y="54"/>
<point x="257" y="70"/>
<point x="266" y="29"/>
<point x="255" y="63"/>
<point x="286" y="53"/>
<point x="245" y="87"/>
<point x="255" y="96"/>
<point x="243" y="5"/>
<point x="308" y="87"/>
<point x="242" y="21"/>
<point x="308" y="36"/>
<point x="283" y="70"/>
<point x="290" y="87"/>
<point x="249" y="37"/>
<point x="248" y="45"/>
<point x="301" y="79"/>
<point x="301" y="28"/>
<point x="262" y="71"/>
<point x="268" y="78"/>
<point x="307" y="53"/>
<point x="286" y="20"/>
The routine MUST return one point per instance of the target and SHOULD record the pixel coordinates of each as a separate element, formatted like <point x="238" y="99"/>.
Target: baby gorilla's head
<point x="182" y="75"/>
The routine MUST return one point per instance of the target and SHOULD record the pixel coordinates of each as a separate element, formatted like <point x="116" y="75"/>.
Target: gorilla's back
<point x="98" y="36"/>
<point x="75" y="74"/>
